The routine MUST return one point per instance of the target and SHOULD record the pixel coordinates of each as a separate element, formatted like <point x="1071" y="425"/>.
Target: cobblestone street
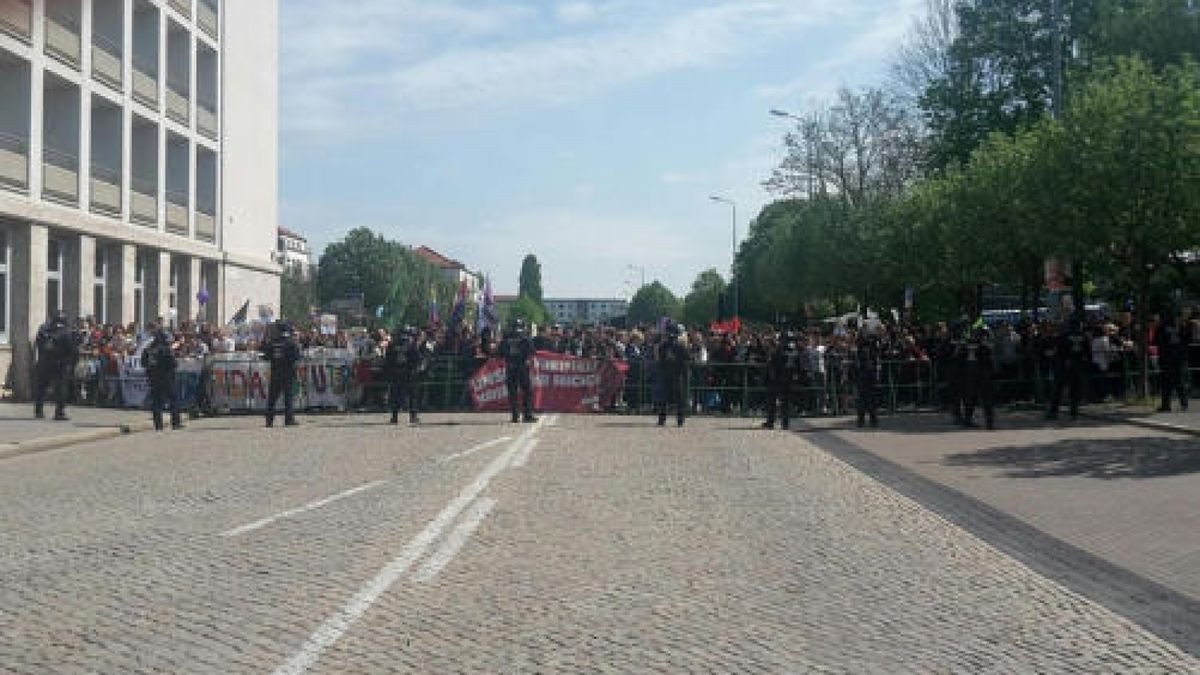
<point x="579" y="544"/>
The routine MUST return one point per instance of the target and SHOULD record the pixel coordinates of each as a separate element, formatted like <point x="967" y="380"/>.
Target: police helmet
<point x="518" y="325"/>
<point x="161" y="335"/>
<point x="676" y="330"/>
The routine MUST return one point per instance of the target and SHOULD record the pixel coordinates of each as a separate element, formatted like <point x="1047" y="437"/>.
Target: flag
<point x="240" y="317"/>
<point x="488" y="318"/>
<point x="434" y="318"/>
<point x="460" y="305"/>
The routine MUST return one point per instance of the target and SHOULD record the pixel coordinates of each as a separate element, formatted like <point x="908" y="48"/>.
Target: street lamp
<point x="733" y="266"/>
<point x="808" y="145"/>
<point x="638" y="268"/>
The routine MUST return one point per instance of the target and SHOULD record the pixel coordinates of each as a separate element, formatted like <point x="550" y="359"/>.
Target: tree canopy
<point x="653" y="302"/>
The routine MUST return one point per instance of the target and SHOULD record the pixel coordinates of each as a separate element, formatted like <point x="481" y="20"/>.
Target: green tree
<point x="386" y="273"/>
<point x="297" y="295"/>
<point x="531" y="279"/>
<point x="527" y="309"/>
<point x="700" y="306"/>
<point x="652" y="302"/>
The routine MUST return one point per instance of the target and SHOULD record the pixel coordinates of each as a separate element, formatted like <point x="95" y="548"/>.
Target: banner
<point x="135" y="386"/>
<point x="242" y="383"/>
<point x="561" y="383"/>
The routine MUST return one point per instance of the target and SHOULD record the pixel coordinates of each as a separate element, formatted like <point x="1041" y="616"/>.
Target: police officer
<point x="158" y="358"/>
<point x="783" y="371"/>
<point x="673" y="358"/>
<point x="1072" y="355"/>
<point x="950" y="358"/>
<point x="57" y="351"/>
<point x="517" y="351"/>
<point x="866" y="373"/>
<point x="977" y="370"/>
<point x="405" y="364"/>
<point x="1172" y="341"/>
<point x="283" y="353"/>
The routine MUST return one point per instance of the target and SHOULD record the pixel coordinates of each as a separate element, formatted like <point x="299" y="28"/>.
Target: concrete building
<point x="582" y="311"/>
<point x="454" y="271"/>
<point x="291" y="251"/>
<point x="138" y="162"/>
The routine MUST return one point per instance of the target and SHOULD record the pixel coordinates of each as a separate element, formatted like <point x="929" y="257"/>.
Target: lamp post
<point x="807" y="145"/>
<point x="733" y="265"/>
<point x="638" y="268"/>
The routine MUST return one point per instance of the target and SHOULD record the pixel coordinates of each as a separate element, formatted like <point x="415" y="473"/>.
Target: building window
<point x="5" y="257"/>
<point x="54" y="289"/>
<point x="173" y="292"/>
<point x="100" y="286"/>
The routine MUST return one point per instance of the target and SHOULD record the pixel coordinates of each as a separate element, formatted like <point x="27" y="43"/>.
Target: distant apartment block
<point x="570" y="311"/>
<point x="292" y="251"/>
<point x="138" y="162"/>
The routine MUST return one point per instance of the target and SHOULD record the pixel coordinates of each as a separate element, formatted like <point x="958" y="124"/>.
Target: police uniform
<point x="283" y="354"/>
<point x="673" y="358"/>
<point x="406" y="363"/>
<point x="1172" y="343"/>
<point x="783" y="371"/>
<point x="866" y="375"/>
<point x="1072" y="355"/>
<point x="57" y="352"/>
<point x="517" y="351"/>
<point x="977" y="369"/>
<point x="159" y="361"/>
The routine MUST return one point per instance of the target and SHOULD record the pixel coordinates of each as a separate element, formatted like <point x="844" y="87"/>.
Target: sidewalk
<point x="21" y="433"/>
<point x="1127" y="494"/>
<point x="1146" y="416"/>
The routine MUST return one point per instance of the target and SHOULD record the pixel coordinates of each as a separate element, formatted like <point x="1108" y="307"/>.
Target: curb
<point x="34" y="445"/>
<point x="1148" y="424"/>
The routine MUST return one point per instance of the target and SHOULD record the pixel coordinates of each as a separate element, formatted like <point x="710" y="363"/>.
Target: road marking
<point x="455" y="540"/>
<point x="522" y="455"/>
<point x="471" y="451"/>
<point x="553" y="421"/>
<point x="335" y="626"/>
<point x="300" y="509"/>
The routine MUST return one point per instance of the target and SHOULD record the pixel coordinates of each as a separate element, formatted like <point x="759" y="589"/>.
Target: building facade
<point x="454" y="271"/>
<point x="138" y="163"/>
<point x="292" y="251"/>
<point x="571" y="311"/>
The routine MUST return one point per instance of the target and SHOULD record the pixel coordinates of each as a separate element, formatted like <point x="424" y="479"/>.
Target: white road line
<point x="522" y="455"/>
<point x="471" y="451"/>
<point x="301" y="509"/>
<point x="335" y="626"/>
<point x="455" y="540"/>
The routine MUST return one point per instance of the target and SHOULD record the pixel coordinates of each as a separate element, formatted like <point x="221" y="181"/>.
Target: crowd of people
<point x="729" y="372"/>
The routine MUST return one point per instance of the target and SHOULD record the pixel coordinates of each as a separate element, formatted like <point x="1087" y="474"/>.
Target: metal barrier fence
<point x="339" y="382"/>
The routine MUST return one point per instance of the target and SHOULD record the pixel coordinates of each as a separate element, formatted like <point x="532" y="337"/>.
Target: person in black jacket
<point x="783" y="370"/>
<point x="673" y="359"/>
<point x="57" y="352"/>
<point x="1172" y="340"/>
<point x="1072" y="358"/>
<point x="158" y="358"/>
<point x="517" y="351"/>
<point x="866" y="375"/>
<point x="283" y="352"/>
<point x="977" y="368"/>
<point x="405" y="364"/>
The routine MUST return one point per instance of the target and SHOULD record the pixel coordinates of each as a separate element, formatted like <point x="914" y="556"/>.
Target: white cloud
<point x="886" y="30"/>
<point x="574" y="13"/>
<point x="406" y="57"/>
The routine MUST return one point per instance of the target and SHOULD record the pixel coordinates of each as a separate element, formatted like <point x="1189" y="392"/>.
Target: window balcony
<point x="16" y="19"/>
<point x="106" y="62"/>
<point x="14" y="162"/>
<point x="145" y="82"/>
<point x="143" y="201"/>
<point x="60" y="176"/>
<point x="62" y="38"/>
<point x="206" y="223"/>
<point x="184" y="7"/>
<point x="207" y="18"/>
<point x="178" y="106"/>
<point x="206" y="118"/>
<point x="106" y="190"/>
<point x="177" y="212"/>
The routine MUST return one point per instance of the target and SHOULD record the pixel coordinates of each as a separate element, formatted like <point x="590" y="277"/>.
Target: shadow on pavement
<point x="1111" y="458"/>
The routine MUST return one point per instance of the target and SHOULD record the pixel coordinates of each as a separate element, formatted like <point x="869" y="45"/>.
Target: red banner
<point x="561" y="383"/>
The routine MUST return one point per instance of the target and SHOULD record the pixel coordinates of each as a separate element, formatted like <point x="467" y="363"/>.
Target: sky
<point x="590" y="133"/>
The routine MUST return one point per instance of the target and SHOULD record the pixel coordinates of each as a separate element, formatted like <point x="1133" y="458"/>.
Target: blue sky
<point x="589" y="133"/>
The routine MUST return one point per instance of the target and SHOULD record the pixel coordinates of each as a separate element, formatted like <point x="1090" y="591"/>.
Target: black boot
<point x="270" y="421"/>
<point x="395" y="419"/>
